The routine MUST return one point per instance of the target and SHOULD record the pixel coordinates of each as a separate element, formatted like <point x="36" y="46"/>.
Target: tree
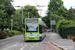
<point x="62" y="11"/>
<point x="55" y="17"/>
<point x="2" y="1"/>
<point x="54" y="5"/>
<point x="9" y="9"/>
<point x="70" y="14"/>
<point x="50" y="17"/>
<point x="33" y="12"/>
<point x="3" y="19"/>
<point x="17" y="19"/>
<point x="46" y="20"/>
<point x="6" y="10"/>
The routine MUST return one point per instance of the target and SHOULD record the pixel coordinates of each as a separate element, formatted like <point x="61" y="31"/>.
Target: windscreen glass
<point x="32" y="25"/>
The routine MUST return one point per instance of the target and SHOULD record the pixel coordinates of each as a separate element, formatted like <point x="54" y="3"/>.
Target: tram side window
<point x="40" y="29"/>
<point x="44" y="29"/>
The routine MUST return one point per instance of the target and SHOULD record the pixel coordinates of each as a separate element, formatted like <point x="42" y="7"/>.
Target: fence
<point x="64" y="32"/>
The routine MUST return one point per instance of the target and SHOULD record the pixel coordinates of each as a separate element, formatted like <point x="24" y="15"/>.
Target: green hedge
<point x="14" y="32"/>
<point x="65" y="27"/>
<point x="11" y="33"/>
<point x="65" y="24"/>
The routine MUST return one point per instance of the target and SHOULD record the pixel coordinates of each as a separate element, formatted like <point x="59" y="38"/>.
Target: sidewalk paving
<point x="64" y="43"/>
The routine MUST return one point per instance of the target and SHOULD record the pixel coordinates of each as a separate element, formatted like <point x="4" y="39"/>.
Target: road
<point x="17" y="43"/>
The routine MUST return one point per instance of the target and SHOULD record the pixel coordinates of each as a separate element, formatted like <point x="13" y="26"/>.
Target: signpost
<point x="53" y="22"/>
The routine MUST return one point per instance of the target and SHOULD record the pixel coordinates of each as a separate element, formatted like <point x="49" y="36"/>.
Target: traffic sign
<point x="53" y="22"/>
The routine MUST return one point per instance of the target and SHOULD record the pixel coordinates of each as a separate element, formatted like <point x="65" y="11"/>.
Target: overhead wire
<point x="35" y="2"/>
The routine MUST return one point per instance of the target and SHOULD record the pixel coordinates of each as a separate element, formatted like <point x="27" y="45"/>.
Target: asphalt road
<point x="17" y="43"/>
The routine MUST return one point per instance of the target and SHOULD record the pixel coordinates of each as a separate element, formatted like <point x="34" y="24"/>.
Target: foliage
<point x="2" y="1"/>
<point x="8" y="32"/>
<point x="3" y="35"/>
<point x="22" y="30"/>
<point x="56" y="11"/>
<point x="3" y="19"/>
<point x="50" y="17"/>
<point x="14" y="32"/>
<point x="74" y="18"/>
<point x="65" y="24"/>
<point x="11" y="33"/>
<point x="46" y="20"/>
<point x="6" y="10"/>
<point x="67" y="14"/>
<point x="62" y="11"/>
<point x="0" y="29"/>
<point x="33" y="12"/>
<point x="70" y="14"/>
<point x="55" y="17"/>
<point x="54" y="5"/>
<point x="17" y="20"/>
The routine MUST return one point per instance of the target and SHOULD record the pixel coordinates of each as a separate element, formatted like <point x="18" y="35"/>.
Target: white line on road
<point x="22" y="48"/>
<point x="10" y="47"/>
<point x="32" y="46"/>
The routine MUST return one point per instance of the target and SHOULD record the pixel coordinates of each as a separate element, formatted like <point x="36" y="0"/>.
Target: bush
<point x="65" y="24"/>
<point x="22" y="30"/>
<point x="3" y="35"/>
<point x="9" y="33"/>
<point x="14" y="32"/>
<point x="0" y="29"/>
<point x="6" y="30"/>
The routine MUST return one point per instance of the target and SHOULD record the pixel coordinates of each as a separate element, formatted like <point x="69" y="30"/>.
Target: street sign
<point x="53" y="22"/>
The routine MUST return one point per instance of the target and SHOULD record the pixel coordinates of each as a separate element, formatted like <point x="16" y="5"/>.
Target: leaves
<point x="17" y="18"/>
<point x="54" y="5"/>
<point x="6" y="10"/>
<point x="65" y="24"/>
<point x="33" y="12"/>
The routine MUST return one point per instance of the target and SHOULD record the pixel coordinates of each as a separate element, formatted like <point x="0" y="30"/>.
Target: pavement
<point x="67" y="44"/>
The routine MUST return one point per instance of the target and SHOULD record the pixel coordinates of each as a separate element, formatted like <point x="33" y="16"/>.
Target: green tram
<point x="35" y="29"/>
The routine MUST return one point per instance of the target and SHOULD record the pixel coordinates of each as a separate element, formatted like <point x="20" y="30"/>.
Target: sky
<point x="44" y="3"/>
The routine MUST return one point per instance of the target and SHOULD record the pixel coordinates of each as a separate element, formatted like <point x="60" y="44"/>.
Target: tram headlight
<point x="26" y="35"/>
<point x="36" y="35"/>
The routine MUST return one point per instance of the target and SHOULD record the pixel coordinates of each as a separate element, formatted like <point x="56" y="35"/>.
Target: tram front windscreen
<point x="31" y="25"/>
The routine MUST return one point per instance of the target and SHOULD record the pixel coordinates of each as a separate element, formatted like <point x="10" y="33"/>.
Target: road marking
<point x="22" y="48"/>
<point x="10" y="47"/>
<point x="32" y="46"/>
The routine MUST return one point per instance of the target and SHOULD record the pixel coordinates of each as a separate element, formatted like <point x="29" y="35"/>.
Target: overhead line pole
<point x="22" y="15"/>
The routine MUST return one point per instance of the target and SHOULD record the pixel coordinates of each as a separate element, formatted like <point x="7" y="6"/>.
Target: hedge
<point x="65" y="24"/>
<point x="11" y="33"/>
